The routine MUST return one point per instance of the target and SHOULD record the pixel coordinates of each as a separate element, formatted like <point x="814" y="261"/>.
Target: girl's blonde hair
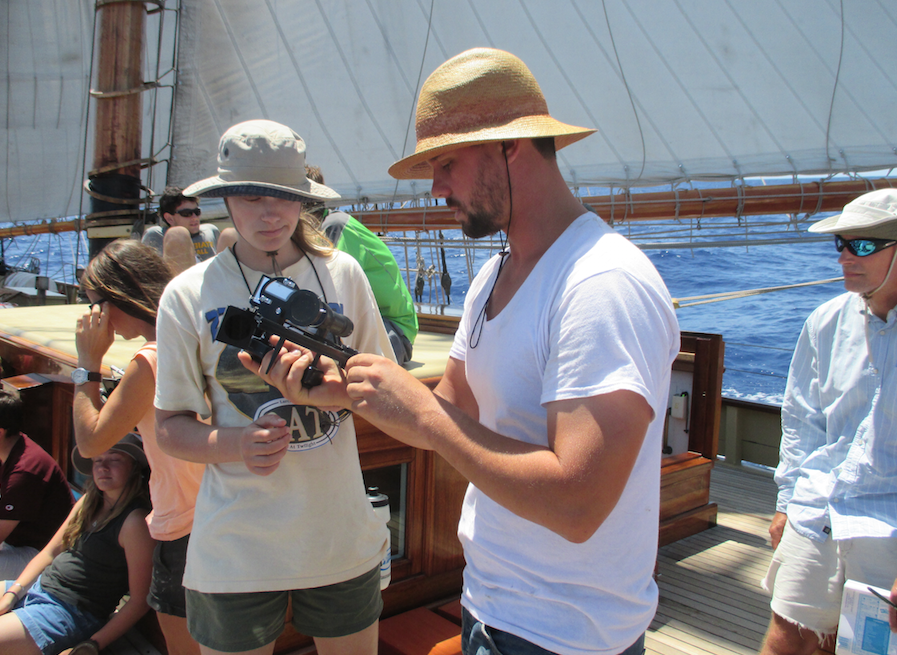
<point x="82" y="521"/>
<point x="309" y="237"/>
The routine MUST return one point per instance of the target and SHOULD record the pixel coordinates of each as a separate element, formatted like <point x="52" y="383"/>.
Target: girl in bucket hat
<point x="124" y="283"/>
<point x="282" y="511"/>
<point x="67" y="596"/>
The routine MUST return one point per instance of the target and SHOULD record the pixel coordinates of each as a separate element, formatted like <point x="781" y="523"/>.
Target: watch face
<point x="79" y="376"/>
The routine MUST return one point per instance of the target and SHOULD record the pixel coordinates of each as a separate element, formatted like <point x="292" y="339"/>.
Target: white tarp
<point x="679" y="90"/>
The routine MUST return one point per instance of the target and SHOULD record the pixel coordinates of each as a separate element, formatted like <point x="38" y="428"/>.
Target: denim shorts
<point x="53" y="624"/>
<point x="238" y="622"/>
<point x="477" y="638"/>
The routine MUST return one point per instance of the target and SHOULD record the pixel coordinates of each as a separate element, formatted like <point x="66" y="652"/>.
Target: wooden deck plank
<point x="711" y="602"/>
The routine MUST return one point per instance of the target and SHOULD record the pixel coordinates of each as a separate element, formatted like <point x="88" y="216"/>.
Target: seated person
<point x="36" y="496"/>
<point x="103" y="550"/>
<point x="181" y="239"/>
<point x="380" y="266"/>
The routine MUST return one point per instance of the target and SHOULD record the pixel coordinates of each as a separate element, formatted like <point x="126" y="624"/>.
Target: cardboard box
<point x="863" y="628"/>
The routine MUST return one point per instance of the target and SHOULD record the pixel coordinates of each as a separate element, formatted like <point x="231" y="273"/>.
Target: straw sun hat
<point x="479" y="96"/>
<point x="263" y="158"/>
<point x="873" y="215"/>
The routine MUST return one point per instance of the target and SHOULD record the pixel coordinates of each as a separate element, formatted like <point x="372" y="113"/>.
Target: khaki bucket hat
<point x="263" y="158"/>
<point x="872" y="215"/>
<point x="479" y="96"/>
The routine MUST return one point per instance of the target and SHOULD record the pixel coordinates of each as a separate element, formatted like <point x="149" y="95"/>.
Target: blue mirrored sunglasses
<point x="862" y="247"/>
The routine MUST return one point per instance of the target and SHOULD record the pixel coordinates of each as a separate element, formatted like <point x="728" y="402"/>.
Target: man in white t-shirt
<point x="554" y="394"/>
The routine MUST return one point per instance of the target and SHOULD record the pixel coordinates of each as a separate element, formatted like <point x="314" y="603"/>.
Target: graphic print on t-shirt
<point x="310" y="427"/>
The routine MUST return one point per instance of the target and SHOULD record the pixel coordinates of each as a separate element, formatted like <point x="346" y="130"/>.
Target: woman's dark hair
<point x="131" y="276"/>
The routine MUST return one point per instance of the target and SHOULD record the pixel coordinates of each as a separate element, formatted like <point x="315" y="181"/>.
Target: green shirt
<point x="380" y="266"/>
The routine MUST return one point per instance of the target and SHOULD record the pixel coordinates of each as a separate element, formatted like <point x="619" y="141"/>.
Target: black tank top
<point x="93" y="573"/>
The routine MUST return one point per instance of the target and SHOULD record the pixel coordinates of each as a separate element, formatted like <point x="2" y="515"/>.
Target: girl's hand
<point x="7" y="602"/>
<point x="264" y="443"/>
<point x="93" y="337"/>
<point x="288" y="369"/>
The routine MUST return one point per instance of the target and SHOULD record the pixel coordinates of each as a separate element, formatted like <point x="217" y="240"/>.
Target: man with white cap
<point x="554" y="394"/>
<point x="836" y="512"/>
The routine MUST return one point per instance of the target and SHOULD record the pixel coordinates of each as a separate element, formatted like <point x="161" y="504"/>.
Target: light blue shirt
<point x="837" y="470"/>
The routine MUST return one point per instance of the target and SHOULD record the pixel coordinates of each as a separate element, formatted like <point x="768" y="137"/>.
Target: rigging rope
<point x="731" y="295"/>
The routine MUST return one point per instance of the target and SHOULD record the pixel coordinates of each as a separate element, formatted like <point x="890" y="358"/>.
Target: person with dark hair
<point x="35" y="495"/>
<point x="553" y="399"/>
<point x="68" y="594"/>
<point x="282" y="515"/>
<point x="124" y="283"/>
<point x="181" y="238"/>
<point x="379" y="265"/>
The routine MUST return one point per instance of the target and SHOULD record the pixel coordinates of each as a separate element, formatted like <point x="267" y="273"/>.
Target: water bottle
<point x="380" y="503"/>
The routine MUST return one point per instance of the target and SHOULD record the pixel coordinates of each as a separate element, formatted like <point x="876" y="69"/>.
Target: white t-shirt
<point x="309" y="523"/>
<point x="592" y="317"/>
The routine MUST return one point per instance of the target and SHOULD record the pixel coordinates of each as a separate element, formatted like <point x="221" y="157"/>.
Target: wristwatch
<point x="82" y="375"/>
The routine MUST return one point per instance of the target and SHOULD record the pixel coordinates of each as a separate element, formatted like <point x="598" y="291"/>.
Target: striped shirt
<point x="837" y="470"/>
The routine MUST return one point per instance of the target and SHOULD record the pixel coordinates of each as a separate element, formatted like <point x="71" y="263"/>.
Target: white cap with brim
<point x="263" y="158"/>
<point x="872" y="215"/>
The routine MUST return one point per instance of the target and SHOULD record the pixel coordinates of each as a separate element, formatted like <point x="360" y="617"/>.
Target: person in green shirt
<point x="380" y="266"/>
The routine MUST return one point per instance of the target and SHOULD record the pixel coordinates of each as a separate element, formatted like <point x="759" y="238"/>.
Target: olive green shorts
<point x="239" y="622"/>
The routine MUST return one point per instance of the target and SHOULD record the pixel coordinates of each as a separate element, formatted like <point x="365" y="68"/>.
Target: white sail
<point x="685" y="90"/>
<point x="46" y="46"/>
<point x="679" y="90"/>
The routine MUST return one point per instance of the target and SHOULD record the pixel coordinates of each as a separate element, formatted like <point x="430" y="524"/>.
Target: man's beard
<point x="486" y="208"/>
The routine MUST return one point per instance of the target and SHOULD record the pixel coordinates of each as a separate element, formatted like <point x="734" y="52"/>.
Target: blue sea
<point x="759" y="331"/>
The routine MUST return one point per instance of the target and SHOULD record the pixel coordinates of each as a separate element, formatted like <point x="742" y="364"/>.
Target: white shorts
<point x="806" y="577"/>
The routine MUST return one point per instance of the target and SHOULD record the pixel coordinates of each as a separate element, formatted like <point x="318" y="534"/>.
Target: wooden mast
<point x="114" y="181"/>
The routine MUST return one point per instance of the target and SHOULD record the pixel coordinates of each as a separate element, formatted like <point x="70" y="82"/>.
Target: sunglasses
<point x="862" y="247"/>
<point x="187" y="213"/>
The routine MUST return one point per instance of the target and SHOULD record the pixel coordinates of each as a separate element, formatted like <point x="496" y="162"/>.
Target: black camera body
<point x="279" y="308"/>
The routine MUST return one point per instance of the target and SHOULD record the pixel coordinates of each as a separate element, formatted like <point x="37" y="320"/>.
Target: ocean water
<point x="759" y="331"/>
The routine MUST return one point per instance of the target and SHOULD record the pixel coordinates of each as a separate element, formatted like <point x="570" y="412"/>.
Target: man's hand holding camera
<point x="372" y="386"/>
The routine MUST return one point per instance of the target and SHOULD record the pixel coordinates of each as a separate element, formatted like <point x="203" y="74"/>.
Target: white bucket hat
<point x="872" y="215"/>
<point x="263" y="158"/>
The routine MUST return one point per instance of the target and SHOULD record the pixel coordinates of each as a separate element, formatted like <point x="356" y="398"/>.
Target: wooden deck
<point x="710" y="596"/>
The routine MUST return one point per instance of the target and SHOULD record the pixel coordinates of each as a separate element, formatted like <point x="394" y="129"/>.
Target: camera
<point x="279" y="308"/>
